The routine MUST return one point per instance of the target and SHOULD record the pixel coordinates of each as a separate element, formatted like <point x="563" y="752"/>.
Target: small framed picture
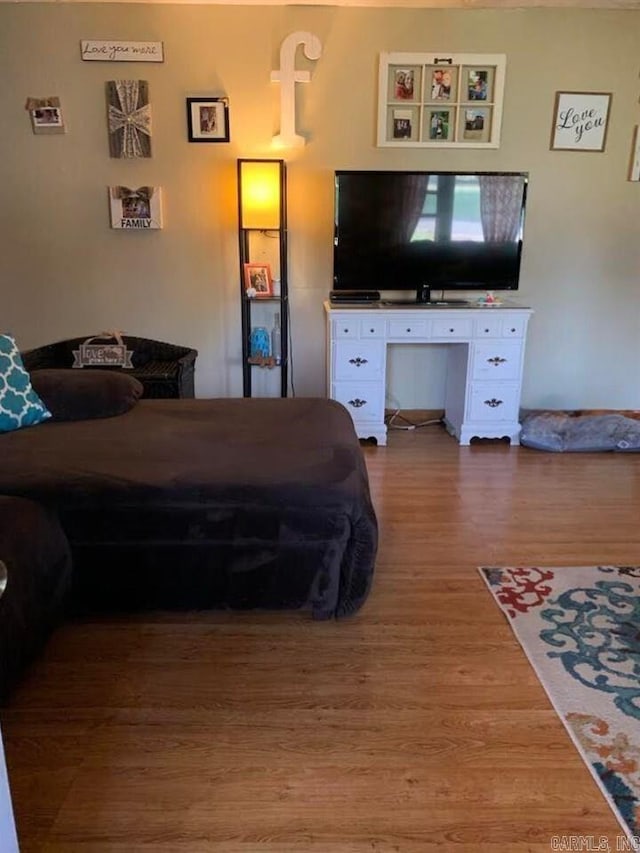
<point x="135" y="209"/>
<point x="477" y="85"/>
<point x="403" y="123"/>
<point x="46" y="115"/>
<point x="208" y="119"/>
<point x="580" y="121"/>
<point x="441" y="84"/>
<point x="439" y="125"/>
<point x="404" y="83"/>
<point x="476" y="124"/>
<point x="257" y="281"/>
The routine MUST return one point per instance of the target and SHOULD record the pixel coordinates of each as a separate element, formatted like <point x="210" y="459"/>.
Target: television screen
<point x="444" y="230"/>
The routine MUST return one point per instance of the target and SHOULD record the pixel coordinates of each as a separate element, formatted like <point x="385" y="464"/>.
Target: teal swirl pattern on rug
<point x="580" y="629"/>
<point x="596" y="634"/>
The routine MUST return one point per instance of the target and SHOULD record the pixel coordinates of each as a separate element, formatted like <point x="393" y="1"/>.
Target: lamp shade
<point x="260" y="193"/>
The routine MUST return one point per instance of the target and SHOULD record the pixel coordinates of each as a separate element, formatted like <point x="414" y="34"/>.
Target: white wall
<point x="8" y="840"/>
<point x="64" y="272"/>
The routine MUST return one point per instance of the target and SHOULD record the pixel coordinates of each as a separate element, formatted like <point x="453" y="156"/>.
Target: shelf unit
<point x="262" y="231"/>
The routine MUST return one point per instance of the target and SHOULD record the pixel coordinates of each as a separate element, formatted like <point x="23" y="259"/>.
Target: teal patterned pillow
<point x="20" y="406"/>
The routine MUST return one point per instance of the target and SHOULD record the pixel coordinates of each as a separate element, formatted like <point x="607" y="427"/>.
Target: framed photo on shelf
<point x="257" y="281"/>
<point x="580" y="121"/>
<point x="208" y="119"/>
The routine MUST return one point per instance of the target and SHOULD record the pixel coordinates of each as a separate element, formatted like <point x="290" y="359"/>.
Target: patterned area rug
<point x="580" y="629"/>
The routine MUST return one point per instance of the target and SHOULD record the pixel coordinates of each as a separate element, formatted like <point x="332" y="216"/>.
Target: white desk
<point x="484" y="365"/>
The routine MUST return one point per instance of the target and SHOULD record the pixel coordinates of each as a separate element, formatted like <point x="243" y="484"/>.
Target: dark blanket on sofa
<point x="38" y="564"/>
<point x="206" y="503"/>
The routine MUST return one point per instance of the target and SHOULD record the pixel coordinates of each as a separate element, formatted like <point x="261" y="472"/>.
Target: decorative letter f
<point x="287" y="76"/>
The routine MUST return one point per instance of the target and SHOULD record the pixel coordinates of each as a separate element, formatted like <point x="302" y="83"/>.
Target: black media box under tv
<point x="354" y="296"/>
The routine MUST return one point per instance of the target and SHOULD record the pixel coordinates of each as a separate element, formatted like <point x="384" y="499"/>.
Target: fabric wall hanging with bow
<point x="129" y="118"/>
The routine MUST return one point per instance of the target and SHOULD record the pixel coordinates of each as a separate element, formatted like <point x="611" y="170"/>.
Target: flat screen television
<point x="428" y="230"/>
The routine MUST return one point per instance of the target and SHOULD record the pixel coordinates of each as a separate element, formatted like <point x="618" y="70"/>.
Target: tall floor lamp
<point x="262" y="208"/>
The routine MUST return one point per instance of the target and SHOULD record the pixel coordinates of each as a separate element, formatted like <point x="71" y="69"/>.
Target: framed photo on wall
<point x="46" y="115"/>
<point x="440" y="100"/>
<point x="208" y="119"/>
<point x="440" y="124"/>
<point x="135" y="209"/>
<point x="580" y="121"/>
<point x="476" y="124"/>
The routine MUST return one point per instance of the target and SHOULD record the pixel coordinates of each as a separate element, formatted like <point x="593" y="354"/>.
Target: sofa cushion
<point x="20" y="405"/>
<point x="77" y="395"/>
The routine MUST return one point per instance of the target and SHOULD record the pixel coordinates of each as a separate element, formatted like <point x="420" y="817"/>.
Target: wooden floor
<point x="416" y="725"/>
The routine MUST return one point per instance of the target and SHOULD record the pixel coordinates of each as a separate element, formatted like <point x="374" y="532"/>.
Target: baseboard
<point x="417" y="414"/>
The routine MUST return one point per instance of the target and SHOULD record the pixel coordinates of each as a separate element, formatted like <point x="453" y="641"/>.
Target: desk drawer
<point x="495" y="326"/>
<point x="452" y="328"/>
<point x="372" y="328"/>
<point x="364" y="400"/>
<point x="498" y="360"/>
<point x="494" y="402"/>
<point x="345" y="328"/>
<point x="357" y="360"/>
<point x="407" y="329"/>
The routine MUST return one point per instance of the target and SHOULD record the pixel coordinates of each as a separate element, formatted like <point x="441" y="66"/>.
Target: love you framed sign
<point x="580" y="121"/>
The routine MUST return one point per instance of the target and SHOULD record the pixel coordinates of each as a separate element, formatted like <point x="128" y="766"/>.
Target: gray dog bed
<point x="565" y="431"/>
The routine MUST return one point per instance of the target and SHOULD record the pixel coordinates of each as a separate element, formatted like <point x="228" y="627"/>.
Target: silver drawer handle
<point x="496" y="360"/>
<point x="493" y="403"/>
<point x="357" y="403"/>
<point x="358" y="361"/>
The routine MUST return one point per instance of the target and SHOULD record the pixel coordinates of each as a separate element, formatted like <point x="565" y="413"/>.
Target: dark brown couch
<point x="241" y="503"/>
<point x="37" y="557"/>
